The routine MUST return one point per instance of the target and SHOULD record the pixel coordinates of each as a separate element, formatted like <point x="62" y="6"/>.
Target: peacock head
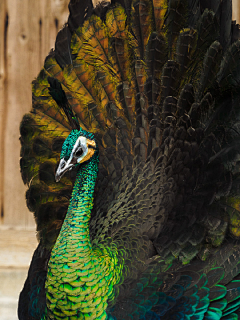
<point x="79" y="147"/>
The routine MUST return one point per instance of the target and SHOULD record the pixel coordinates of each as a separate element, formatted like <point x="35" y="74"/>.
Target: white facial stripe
<point x="80" y="143"/>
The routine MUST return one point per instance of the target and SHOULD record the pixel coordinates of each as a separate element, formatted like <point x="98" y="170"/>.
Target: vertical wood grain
<point x="3" y="80"/>
<point x="236" y="10"/>
<point x="32" y="30"/>
<point x="22" y="65"/>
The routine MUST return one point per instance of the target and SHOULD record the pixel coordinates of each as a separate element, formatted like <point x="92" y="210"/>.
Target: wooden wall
<point x="27" y="32"/>
<point x="236" y="10"/>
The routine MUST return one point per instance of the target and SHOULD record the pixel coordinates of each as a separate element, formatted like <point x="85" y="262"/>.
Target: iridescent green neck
<point x="76" y="223"/>
<point x="80" y="278"/>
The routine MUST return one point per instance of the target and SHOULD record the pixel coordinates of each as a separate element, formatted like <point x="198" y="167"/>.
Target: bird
<point x="131" y="155"/>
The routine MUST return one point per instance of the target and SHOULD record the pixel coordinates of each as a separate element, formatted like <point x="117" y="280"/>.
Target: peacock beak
<point x="63" y="167"/>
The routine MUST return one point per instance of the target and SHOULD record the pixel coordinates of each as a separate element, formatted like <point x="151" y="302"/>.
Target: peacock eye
<point x="79" y="152"/>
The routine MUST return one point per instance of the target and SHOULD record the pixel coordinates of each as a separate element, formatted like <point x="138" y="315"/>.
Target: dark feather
<point x="79" y="10"/>
<point x="157" y="84"/>
<point x="59" y="96"/>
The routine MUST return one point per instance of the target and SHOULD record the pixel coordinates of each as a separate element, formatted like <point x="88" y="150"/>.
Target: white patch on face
<point x="79" y="152"/>
<point x="81" y="143"/>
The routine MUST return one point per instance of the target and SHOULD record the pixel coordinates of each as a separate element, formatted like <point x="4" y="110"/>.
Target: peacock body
<point x="88" y="269"/>
<point x="140" y="219"/>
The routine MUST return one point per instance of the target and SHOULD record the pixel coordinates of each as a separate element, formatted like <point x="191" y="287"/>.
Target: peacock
<point x="131" y="155"/>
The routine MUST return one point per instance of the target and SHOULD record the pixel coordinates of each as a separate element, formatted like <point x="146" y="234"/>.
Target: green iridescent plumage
<point x="140" y="103"/>
<point x="80" y="276"/>
<point x="90" y="265"/>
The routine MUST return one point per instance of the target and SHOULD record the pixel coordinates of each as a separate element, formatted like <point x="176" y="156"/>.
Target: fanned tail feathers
<point x="158" y="83"/>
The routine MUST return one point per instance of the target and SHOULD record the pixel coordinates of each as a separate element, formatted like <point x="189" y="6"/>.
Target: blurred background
<point x="27" y="33"/>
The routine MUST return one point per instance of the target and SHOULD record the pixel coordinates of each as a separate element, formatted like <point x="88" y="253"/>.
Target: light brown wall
<point x="236" y="10"/>
<point x="27" y="32"/>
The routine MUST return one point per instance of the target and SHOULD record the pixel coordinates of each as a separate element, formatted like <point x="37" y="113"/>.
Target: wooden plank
<point x="236" y="10"/>
<point x="22" y="66"/>
<point x="54" y="15"/>
<point x="32" y="31"/>
<point x="3" y="79"/>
